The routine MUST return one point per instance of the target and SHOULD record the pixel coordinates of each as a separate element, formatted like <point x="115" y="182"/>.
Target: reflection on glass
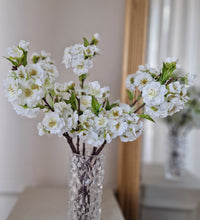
<point x="173" y="30"/>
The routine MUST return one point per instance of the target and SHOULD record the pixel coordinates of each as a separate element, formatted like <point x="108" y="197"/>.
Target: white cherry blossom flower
<point x="133" y="132"/>
<point x="97" y="36"/>
<point x="85" y="102"/>
<point x="93" y="89"/>
<point x="35" y="71"/>
<point x="154" y="71"/>
<point x="81" y="66"/>
<point x="53" y="123"/>
<point x="31" y="94"/>
<point x="11" y="89"/>
<point x="21" y="74"/>
<point x="115" y="112"/>
<point x="154" y="93"/>
<point x="51" y="71"/>
<point x="142" y="79"/>
<point x="14" y="52"/>
<point x="130" y="82"/>
<point x="24" y="45"/>
<point x="94" y="139"/>
<point x="144" y="68"/>
<point x="61" y="88"/>
<point x="171" y="60"/>
<point x="175" y="87"/>
<point x="117" y="127"/>
<point x="41" y="129"/>
<point x="190" y="79"/>
<point x="105" y="92"/>
<point x="44" y="54"/>
<point x="101" y="121"/>
<point x="25" y="111"/>
<point x="91" y="50"/>
<point x="157" y="111"/>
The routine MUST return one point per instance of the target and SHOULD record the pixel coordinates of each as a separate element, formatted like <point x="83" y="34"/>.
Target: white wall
<point x="174" y="30"/>
<point x="25" y="158"/>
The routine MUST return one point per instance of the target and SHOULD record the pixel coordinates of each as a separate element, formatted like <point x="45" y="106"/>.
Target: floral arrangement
<point x="83" y="111"/>
<point x="189" y="117"/>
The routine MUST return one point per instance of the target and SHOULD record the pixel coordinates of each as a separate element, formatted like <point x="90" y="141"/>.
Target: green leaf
<point x="95" y="106"/>
<point x="86" y="43"/>
<point x="73" y="101"/>
<point x="167" y="71"/>
<point x="24" y="106"/>
<point x="24" y="60"/>
<point x="12" y="61"/>
<point x="35" y="59"/>
<point x="51" y="103"/>
<point x="114" y="105"/>
<point x="67" y="101"/>
<point x="154" y="108"/>
<point x="130" y="95"/>
<point x="83" y="77"/>
<point x="40" y="106"/>
<point x="148" y="117"/>
<point x="108" y="107"/>
<point x="52" y="92"/>
<point x="94" y="41"/>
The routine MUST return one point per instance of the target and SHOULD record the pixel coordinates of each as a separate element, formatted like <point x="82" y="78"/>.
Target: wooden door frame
<point x="135" y="32"/>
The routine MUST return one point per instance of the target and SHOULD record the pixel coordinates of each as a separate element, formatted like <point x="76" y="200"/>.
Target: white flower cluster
<point x="84" y="111"/>
<point x="164" y="91"/>
<point x="61" y="120"/>
<point x="26" y="84"/>
<point x="92" y="119"/>
<point x="109" y="124"/>
<point x="190" y="116"/>
<point x="79" y="56"/>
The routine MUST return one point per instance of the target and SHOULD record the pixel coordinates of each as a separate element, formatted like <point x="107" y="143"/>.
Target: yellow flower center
<point x="21" y="75"/>
<point x="33" y="72"/>
<point x="52" y="123"/>
<point x="116" y="113"/>
<point x="28" y="92"/>
<point x="117" y="126"/>
<point x="144" y="81"/>
<point x="11" y="90"/>
<point x="152" y="92"/>
<point x="35" y="86"/>
<point x="80" y="66"/>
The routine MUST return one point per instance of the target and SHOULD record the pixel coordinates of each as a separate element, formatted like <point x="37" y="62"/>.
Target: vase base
<point x="172" y="177"/>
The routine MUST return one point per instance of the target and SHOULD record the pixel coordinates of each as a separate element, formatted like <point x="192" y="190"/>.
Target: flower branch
<point x="84" y="112"/>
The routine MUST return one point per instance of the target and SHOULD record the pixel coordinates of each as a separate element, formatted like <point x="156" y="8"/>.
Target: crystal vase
<point x="85" y="187"/>
<point x="176" y="155"/>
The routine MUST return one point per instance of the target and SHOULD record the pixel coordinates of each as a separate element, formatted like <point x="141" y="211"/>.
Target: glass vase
<point x="176" y="155"/>
<point x="85" y="187"/>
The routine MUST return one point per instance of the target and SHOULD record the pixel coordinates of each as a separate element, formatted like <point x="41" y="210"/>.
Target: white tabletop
<point x="50" y="203"/>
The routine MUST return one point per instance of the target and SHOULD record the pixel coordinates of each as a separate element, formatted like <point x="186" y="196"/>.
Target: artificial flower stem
<point x="78" y="144"/>
<point x="100" y="148"/>
<point x="50" y="95"/>
<point x="94" y="151"/>
<point x="47" y="104"/>
<point x="136" y="100"/>
<point x="83" y="149"/>
<point x="66" y="135"/>
<point x="141" y="106"/>
<point x="70" y="142"/>
<point x="82" y="83"/>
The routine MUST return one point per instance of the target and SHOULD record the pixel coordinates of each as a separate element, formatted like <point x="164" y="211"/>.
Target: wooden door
<point x="130" y="153"/>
